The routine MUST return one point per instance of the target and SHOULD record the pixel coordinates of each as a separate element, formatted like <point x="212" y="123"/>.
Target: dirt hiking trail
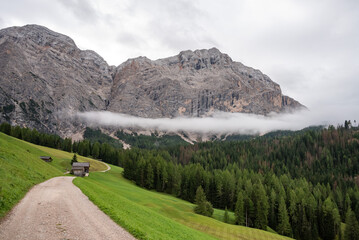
<point x="57" y="209"/>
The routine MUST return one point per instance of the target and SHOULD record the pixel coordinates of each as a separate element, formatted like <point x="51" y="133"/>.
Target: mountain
<point x="44" y="76"/>
<point x="194" y="84"/>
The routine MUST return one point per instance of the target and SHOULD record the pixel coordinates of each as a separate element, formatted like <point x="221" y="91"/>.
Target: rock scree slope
<point x="57" y="209"/>
<point x="44" y="76"/>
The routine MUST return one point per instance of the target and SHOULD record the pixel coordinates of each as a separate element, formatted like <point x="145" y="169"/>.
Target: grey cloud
<point x="129" y="39"/>
<point x="82" y="10"/>
<point x="177" y="24"/>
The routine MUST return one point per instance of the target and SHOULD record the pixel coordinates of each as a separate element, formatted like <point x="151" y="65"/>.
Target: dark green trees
<point x="352" y="226"/>
<point x="74" y="159"/>
<point x="300" y="185"/>
<point x="261" y="206"/>
<point x="96" y="150"/>
<point x="5" y="128"/>
<point x="239" y="210"/>
<point x="283" y="227"/>
<point x="331" y="220"/>
<point x="66" y="145"/>
<point x="150" y="176"/>
<point x="202" y="207"/>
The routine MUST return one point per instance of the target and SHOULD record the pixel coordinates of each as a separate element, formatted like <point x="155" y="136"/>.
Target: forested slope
<point x="304" y="185"/>
<point x="301" y="186"/>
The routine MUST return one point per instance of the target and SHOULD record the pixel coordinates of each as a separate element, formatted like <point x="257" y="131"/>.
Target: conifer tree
<point x="330" y="220"/>
<point x="239" y="210"/>
<point x="80" y="149"/>
<point x="352" y="226"/>
<point x="96" y="150"/>
<point x="226" y="216"/>
<point x="202" y="207"/>
<point x="17" y="132"/>
<point x="5" y="128"/>
<point x="283" y="219"/>
<point x="149" y="177"/>
<point x="74" y="159"/>
<point x="200" y="201"/>
<point x="261" y="207"/>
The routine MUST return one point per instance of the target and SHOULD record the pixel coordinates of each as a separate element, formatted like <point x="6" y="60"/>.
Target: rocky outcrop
<point x="43" y="74"/>
<point x="194" y="84"/>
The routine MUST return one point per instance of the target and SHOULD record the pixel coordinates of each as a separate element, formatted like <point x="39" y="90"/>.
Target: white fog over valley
<point x="218" y="123"/>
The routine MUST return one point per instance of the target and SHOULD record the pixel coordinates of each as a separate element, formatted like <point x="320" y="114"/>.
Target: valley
<point x="187" y="142"/>
<point x="145" y="214"/>
<point x="258" y="189"/>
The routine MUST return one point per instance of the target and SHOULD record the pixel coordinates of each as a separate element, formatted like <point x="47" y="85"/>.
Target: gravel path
<point x="108" y="167"/>
<point x="57" y="209"/>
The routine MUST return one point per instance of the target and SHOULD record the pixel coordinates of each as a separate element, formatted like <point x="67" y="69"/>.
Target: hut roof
<point x="45" y="157"/>
<point x="81" y="164"/>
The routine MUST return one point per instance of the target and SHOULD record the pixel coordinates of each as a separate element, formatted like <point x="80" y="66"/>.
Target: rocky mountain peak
<point x="43" y="75"/>
<point x="204" y="58"/>
<point x="39" y="35"/>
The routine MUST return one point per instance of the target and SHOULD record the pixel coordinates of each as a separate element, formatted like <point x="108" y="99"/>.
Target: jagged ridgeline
<point x="44" y="76"/>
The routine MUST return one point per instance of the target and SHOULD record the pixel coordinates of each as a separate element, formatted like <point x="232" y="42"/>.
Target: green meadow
<point x="151" y="215"/>
<point x="64" y="158"/>
<point x="21" y="168"/>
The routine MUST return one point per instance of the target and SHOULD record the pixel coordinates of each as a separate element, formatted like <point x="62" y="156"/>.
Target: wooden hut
<point x="80" y="168"/>
<point x="46" y="158"/>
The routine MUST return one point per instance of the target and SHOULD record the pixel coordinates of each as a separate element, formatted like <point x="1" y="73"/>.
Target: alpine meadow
<point x="155" y="119"/>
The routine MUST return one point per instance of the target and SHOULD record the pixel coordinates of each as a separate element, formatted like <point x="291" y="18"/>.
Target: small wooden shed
<point x="80" y="168"/>
<point x="46" y="158"/>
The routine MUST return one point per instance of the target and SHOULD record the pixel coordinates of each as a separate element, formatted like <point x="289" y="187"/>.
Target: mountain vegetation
<point x="153" y="215"/>
<point x="301" y="185"/>
<point x="152" y="141"/>
<point x="146" y="214"/>
<point x="96" y="135"/>
<point x="105" y="151"/>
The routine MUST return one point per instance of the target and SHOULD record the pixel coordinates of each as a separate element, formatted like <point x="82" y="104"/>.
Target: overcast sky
<point x="311" y="48"/>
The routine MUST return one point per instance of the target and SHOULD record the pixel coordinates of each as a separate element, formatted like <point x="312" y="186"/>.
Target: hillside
<point x="146" y="214"/>
<point x="21" y="168"/>
<point x="150" y="215"/>
<point x="45" y="78"/>
<point x="301" y="184"/>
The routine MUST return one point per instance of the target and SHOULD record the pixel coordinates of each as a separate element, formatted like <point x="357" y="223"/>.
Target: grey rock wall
<point x="44" y="76"/>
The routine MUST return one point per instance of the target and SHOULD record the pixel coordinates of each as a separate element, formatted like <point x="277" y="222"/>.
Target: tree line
<point x="304" y="185"/>
<point x="293" y="207"/>
<point x="104" y="151"/>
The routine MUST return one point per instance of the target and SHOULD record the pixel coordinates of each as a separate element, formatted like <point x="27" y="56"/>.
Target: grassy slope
<point x="146" y="214"/>
<point x="64" y="158"/>
<point x="21" y="168"/>
<point x="151" y="215"/>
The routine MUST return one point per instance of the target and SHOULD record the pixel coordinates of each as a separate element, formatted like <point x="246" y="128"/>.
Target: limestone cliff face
<point x="194" y="84"/>
<point x="43" y="74"/>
